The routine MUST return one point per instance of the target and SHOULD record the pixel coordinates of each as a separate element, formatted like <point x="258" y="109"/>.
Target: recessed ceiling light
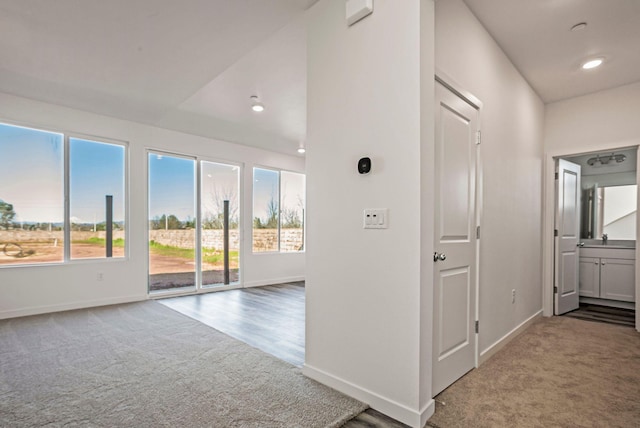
<point x="592" y="63"/>
<point x="579" y="26"/>
<point x="256" y="105"/>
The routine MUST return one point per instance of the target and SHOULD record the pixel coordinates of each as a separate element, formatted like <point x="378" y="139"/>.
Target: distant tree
<point x="216" y="206"/>
<point x="170" y="222"/>
<point x="190" y="223"/>
<point x="174" y="222"/>
<point x="271" y="221"/>
<point x="157" y="223"/>
<point x="291" y="219"/>
<point x="272" y="213"/>
<point x="6" y="214"/>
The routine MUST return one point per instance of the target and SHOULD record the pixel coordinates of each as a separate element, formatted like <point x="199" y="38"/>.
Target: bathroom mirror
<point x="609" y="210"/>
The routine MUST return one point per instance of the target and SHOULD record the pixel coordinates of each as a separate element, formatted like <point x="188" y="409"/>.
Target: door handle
<point x="580" y="244"/>
<point x="440" y="256"/>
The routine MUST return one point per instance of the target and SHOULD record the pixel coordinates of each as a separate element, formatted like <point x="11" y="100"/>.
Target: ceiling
<point x="192" y="65"/>
<point x="536" y="35"/>
<point x="189" y="65"/>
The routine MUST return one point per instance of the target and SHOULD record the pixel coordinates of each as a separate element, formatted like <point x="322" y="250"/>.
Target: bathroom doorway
<point x="605" y="265"/>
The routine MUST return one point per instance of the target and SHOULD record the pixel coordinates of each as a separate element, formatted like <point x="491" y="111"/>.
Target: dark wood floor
<point x="598" y="313"/>
<point x="269" y="318"/>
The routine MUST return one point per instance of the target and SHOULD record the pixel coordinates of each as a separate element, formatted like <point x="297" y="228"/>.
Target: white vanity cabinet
<point x="608" y="273"/>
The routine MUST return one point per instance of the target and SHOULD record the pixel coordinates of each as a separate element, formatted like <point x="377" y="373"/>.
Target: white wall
<point x="512" y="132"/>
<point x="30" y="290"/>
<point x="364" y="317"/>
<point x="605" y="120"/>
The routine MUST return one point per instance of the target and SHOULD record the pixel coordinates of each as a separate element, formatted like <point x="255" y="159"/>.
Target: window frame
<point x="66" y="136"/>
<point x="67" y="165"/>
<point x="199" y="287"/>
<point x="279" y="198"/>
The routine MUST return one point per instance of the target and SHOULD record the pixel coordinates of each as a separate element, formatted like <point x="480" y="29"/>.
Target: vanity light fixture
<point x="604" y="160"/>
<point x="256" y="105"/>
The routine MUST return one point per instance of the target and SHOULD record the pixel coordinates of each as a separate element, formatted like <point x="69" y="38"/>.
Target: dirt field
<point x="35" y="252"/>
<point x="165" y="272"/>
<point x="166" y="281"/>
<point x="173" y="272"/>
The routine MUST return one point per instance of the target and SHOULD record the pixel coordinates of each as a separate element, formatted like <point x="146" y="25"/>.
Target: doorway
<point x="606" y="263"/>
<point x="194" y="224"/>
<point x="455" y="236"/>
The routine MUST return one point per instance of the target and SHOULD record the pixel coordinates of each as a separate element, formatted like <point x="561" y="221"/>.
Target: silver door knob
<point x="440" y="256"/>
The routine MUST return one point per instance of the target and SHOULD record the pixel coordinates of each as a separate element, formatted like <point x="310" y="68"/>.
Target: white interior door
<point x="454" y="341"/>
<point x="568" y="237"/>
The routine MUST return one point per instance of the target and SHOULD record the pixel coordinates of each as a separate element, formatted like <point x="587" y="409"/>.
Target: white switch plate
<point x="358" y="9"/>
<point x="376" y="218"/>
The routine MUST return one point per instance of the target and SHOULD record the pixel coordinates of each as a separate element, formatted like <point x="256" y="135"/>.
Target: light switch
<point x="376" y="218"/>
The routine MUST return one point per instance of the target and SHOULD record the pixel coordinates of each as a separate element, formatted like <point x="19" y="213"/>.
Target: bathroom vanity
<point x="607" y="272"/>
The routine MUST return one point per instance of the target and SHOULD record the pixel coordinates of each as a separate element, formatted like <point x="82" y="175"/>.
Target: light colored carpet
<point x="142" y="365"/>
<point x="561" y="372"/>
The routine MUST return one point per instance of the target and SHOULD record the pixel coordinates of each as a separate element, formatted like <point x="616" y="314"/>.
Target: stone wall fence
<point x="43" y="236"/>
<point x="291" y="239"/>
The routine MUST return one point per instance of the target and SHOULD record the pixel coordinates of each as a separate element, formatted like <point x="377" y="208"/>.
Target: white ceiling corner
<point x="536" y="36"/>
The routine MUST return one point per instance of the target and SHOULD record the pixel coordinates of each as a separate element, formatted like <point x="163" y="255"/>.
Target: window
<point x="278" y="211"/>
<point x="31" y="196"/>
<point x="96" y="186"/>
<point x="266" y="208"/>
<point x="292" y="205"/>
<point x="35" y="225"/>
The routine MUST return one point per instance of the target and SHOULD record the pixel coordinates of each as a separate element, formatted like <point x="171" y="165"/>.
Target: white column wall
<point x="512" y="118"/>
<point x="364" y="331"/>
<point x="47" y="288"/>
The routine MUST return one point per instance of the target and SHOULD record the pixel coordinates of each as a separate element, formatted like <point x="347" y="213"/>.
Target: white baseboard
<point x="37" y="310"/>
<point x="400" y="412"/>
<point x="273" y="281"/>
<point x="500" y="343"/>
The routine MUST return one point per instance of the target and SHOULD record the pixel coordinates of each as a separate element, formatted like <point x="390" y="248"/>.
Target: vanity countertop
<point x="612" y="244"/>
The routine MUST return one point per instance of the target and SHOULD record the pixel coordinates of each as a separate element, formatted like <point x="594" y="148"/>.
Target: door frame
<point x="198" y="288"/>
<point x="548" y="219"/>
<point x="452" y="85"/>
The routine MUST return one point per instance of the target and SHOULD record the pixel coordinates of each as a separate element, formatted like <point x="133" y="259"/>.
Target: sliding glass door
<point x="188" y="251"/>
<point x="172" y="222"/>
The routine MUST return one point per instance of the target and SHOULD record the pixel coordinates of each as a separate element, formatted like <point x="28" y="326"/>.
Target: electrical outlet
<point x="100" y="276"/>
<point x="513" y="295"/>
